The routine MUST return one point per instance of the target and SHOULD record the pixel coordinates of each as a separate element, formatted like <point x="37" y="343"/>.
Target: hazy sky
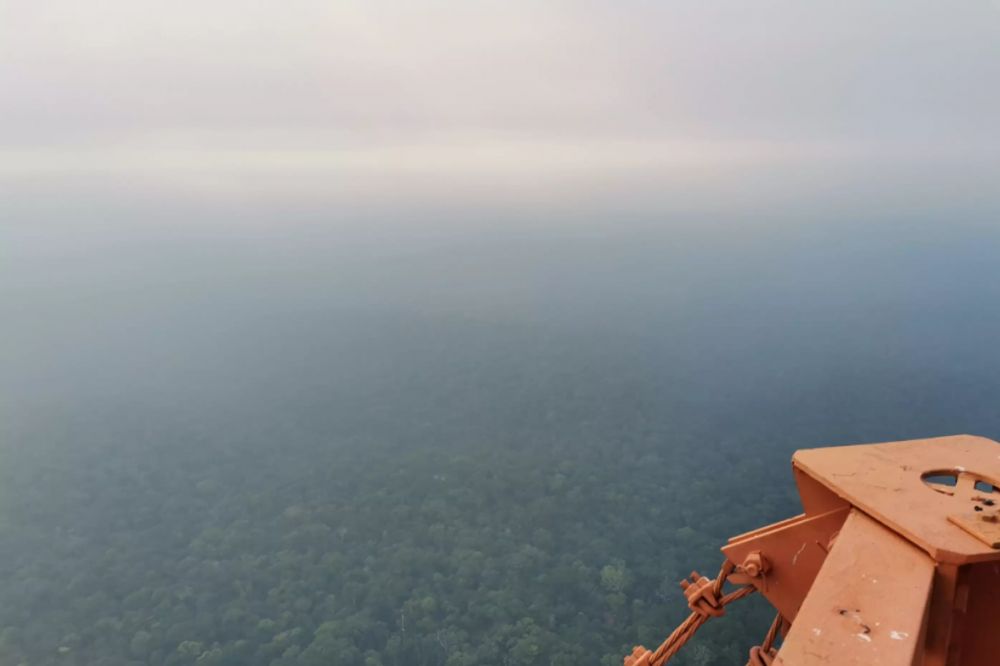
<point x="376" y="100"/>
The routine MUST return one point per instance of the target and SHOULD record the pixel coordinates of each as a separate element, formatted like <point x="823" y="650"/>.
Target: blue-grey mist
<point x="178" y="388"/>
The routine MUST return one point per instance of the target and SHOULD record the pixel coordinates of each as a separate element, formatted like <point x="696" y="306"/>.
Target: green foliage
<point x="455" y="529"/>
<point x="615" y="577"/>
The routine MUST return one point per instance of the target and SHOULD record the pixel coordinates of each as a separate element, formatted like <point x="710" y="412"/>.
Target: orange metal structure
<point x="895" y="561"/>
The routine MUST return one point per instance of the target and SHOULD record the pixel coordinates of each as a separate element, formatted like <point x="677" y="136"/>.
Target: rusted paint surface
<point x="885" y="481"/>
<point x="795" y="550"/>
<point x="867" y="605"/>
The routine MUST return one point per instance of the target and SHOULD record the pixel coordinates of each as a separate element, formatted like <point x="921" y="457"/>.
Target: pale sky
<point x="363" y="100"/>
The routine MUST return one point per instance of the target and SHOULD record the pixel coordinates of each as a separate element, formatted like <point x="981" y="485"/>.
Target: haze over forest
<point x="448" y="334"/>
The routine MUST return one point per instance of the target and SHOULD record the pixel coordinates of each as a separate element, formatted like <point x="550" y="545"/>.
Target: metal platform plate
<point x="868" y="604"/>
<point x="905" y="486"/>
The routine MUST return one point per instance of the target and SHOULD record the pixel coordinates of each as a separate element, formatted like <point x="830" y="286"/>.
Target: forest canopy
<point x="398" y="472"/>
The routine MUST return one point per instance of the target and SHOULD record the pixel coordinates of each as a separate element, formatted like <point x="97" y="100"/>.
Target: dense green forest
<point x="254" y="476"/>
<point x="489" y="525"/>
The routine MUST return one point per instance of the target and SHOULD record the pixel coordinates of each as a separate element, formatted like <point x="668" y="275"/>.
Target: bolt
<point x="756" y="564"/>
